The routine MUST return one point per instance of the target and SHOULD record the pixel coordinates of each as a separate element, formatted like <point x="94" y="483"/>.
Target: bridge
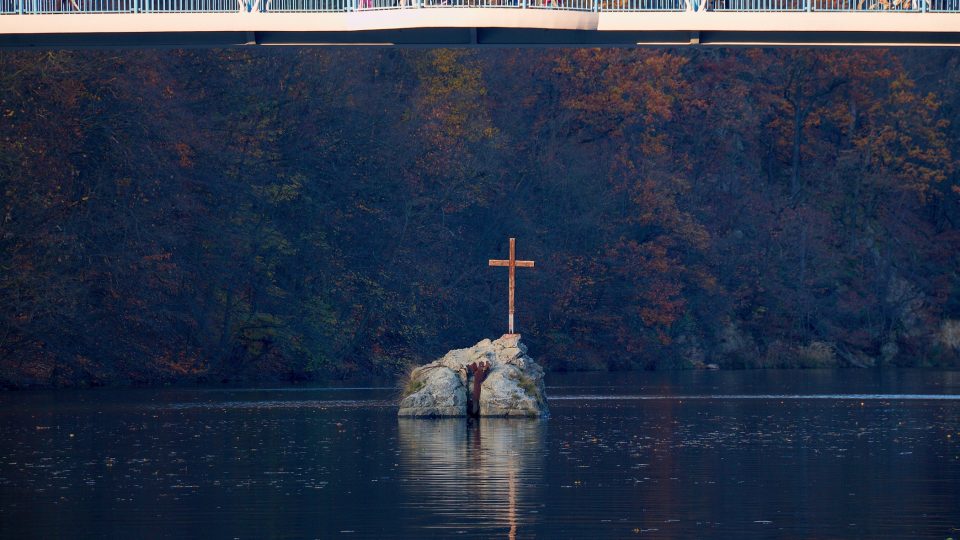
<point x="468" y="23"/>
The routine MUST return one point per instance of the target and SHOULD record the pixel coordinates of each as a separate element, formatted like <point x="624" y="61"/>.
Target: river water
<point x="753" y="454"/>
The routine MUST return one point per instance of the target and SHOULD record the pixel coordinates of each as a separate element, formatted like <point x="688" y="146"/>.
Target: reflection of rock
<point x="478" y="473"/>
<point x="514" y="386"/>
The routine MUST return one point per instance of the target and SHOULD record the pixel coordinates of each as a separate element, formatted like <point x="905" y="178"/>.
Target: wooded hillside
<point x="300" y="214"/>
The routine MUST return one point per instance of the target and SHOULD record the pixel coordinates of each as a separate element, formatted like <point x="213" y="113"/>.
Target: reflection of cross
<point x="512" y="263"/>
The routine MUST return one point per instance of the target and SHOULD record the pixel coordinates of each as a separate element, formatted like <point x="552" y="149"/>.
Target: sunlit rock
<point x="513" y="385"/>
<point x="441" y="393"/>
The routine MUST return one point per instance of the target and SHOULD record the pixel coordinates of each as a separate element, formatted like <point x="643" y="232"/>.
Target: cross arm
<point x="501" y="262"/>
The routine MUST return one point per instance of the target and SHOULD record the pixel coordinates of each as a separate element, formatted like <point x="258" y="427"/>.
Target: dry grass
<point x="410" y="384"/>
<point x="412" y="387"/>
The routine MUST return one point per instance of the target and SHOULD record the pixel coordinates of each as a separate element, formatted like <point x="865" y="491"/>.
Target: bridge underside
<point x="481" y="28"/>
<point x="478" y="37"/>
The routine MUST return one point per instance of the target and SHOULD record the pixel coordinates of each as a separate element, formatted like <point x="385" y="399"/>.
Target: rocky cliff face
<point x="513" y="385"/>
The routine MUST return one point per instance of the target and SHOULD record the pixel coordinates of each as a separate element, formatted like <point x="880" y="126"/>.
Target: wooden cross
<point x="512" y="263"/>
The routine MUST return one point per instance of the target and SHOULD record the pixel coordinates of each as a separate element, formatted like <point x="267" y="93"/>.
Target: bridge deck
<point x="96" y="23"/>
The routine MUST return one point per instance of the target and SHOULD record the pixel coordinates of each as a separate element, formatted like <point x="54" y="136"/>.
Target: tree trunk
<point x="795" y="160"/>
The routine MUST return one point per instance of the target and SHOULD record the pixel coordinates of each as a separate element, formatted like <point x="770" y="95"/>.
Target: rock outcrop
<point x="513" y="385"/>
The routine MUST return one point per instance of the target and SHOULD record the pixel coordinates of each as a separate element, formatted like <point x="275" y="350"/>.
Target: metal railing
<point x="944" y="6"/>
<point x="471" y="3"/>
<point x="30" y="7"/>
<point x="865" y="5"/>
<point x="305" y="6"/>
<point x="758" y="5"/>
<point x="191" y="6"/>
<point x="644" y="5"/>
<point x="33" y="7"/>
<point x="74" y="6"/>
<point x="566" y="5"/>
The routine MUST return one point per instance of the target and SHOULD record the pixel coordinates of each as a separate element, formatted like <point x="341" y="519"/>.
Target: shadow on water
<point x="472" y="474"/>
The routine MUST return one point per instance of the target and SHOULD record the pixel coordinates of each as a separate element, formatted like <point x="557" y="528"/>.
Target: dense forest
<point x="307" y="214"/>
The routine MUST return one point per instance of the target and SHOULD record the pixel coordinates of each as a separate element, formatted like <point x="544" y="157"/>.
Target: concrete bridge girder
<point x="477" y="27"/>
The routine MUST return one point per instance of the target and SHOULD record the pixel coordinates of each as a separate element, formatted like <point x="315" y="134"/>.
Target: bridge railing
<point x="32" y="7"/>
<point x="305" y="6"/>
<point x="865" y="5"/>
<point x="191" y="6"/>
<point x="757" y="5"/>
<point x="847" y="6"/>
<point x="566" y="5"/>
<point x="373" y="5"/>
<point x="71" y="6"/>
<point x="644" y="5"/>
<point x="8" y="7"/>
<point x="944" y="6"/>
<point x="470" y="3"/>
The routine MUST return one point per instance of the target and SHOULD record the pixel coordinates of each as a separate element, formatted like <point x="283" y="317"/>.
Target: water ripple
<point x="283" y="404"/>
<point x="384" y="403"/>
<point x="847" y="397"/>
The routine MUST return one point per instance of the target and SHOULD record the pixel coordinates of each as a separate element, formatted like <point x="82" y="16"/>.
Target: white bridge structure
<point x="467" y="23"/>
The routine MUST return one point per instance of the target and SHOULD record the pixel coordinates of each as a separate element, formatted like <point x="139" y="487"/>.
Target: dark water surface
<point x="776" y="454"/>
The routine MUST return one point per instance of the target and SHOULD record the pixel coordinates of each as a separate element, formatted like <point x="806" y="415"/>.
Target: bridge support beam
<point x="487" y="27"/>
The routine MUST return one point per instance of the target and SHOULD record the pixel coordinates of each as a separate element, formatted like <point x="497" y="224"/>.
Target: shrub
<point x="949" y="334"/>
<point x="817" y="354"/>
<point x="529" y="387"/>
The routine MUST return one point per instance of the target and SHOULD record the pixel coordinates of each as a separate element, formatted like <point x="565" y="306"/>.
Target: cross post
<point x="512" y="263"/>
